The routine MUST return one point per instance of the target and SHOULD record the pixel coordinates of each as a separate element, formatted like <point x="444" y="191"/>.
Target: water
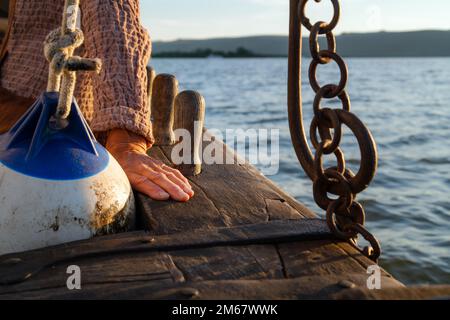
<point x="405" y="103"/>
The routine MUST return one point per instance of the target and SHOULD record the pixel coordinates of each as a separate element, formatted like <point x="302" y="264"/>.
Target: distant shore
<point x="359" y="45"/>
<point x="209" y="53"/>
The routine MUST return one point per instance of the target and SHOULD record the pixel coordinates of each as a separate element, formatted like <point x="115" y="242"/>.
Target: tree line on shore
<point x="240" y="52"/>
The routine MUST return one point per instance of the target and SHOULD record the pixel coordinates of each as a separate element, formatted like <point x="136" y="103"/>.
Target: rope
<point x="59" y="47"/>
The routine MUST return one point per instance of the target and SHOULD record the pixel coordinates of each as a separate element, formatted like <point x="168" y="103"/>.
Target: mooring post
<point x="190" y="115"/>
<point x="151" y="75"/>
<point x="164" y="91"/>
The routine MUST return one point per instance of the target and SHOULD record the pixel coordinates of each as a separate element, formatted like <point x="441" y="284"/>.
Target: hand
<point x="147" y="175"/>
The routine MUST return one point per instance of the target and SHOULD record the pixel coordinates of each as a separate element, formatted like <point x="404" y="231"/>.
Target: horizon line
<point x="286" y="35"/>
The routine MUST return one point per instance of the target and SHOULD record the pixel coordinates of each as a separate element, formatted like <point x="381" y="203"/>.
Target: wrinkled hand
<point x="147" y="175"/>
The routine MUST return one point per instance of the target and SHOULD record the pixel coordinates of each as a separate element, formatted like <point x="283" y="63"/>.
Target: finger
<point x="159" y="178"/>
<point x="172" y="174"/>
<point x="147" y="187"/>
<point x="158" y="164"/>
<point x="177" y="173"/>
<point x="174" y="178"/>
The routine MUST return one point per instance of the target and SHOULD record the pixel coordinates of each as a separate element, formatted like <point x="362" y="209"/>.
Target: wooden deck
<point x="240" y="237"/>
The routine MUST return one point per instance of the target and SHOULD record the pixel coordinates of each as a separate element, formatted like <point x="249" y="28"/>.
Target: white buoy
<point x="58" y="186"/>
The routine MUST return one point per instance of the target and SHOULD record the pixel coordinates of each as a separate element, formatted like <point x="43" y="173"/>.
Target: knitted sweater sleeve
<point x="113" y="33"/>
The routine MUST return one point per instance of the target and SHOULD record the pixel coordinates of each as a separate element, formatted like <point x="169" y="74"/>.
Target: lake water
<point x="405" y="103"/>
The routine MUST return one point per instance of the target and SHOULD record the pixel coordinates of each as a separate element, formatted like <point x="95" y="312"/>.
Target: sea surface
<point x="405" y="103"/>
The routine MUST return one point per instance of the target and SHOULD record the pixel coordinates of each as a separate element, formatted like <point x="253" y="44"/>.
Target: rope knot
<point x="57" y="46"/>
<point x="58" y="49"/>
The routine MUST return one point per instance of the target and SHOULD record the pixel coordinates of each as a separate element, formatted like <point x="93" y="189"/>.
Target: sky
<point x="199" y="19"/>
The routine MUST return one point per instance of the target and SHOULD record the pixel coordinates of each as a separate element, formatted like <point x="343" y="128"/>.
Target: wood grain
<point x="190" y="116"/>
<point x="164" y="91"/>
<point x="310" y="287"/>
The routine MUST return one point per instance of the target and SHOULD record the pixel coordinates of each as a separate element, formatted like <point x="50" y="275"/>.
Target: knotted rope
<point x="59" y="47"/>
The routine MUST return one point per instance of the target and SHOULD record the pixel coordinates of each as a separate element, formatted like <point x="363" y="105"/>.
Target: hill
<point x="380" y="44"/>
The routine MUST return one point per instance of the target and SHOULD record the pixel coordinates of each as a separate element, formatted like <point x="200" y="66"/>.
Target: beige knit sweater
<point x="117" y="98"/>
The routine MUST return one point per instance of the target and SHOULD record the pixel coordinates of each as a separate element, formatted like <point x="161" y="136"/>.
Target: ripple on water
<point x="435" y="161"/>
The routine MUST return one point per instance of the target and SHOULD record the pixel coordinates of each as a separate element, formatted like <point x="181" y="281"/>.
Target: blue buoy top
<point x="33" y="148"/>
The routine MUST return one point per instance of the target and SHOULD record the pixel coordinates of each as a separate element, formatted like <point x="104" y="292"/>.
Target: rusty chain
<point x="345" y="216"/>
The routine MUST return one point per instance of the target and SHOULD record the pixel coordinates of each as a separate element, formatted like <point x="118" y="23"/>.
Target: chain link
<point x="345" y="216"/>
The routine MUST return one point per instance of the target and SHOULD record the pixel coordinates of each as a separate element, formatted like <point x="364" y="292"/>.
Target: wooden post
<point x="164" y="91"/>
<point x="190" y="115"/>
<point x="151" y="75"/>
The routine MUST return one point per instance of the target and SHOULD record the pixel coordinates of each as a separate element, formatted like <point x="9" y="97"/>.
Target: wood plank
<point x="325" y="257"/>
<point x="279" y="209"/>
<point x="229" y="263"/>
<point x="318" y="258"/>
<point x="159" y="269"/>
<point x="166" y="217"/>
<point x="321" y="265"/>
<point x="310" y="287"/>
<point x="358" y="257"/>
<point x="122" y="269"/>
<point x="226" y="195"/>
<point x="18" y="267"/>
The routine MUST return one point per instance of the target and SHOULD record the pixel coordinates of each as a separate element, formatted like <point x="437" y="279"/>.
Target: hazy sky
<point x="174" y="19"/>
